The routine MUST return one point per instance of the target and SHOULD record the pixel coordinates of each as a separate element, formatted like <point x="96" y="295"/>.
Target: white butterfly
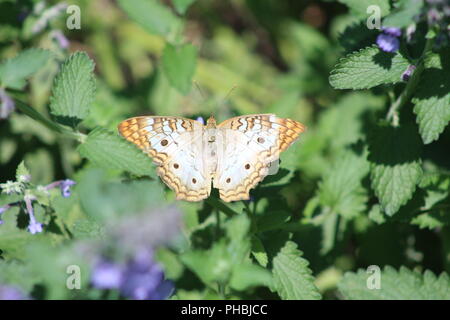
<point x="235" y="155"/>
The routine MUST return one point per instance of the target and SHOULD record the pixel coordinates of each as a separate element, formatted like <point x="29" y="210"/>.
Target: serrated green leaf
<point x="74" y="89"/>
<point x="432" y="100"/>
<point x="403" y="14"/>
<point x="178" y="64"/>
<point x="368" y="68"/>
<point x="396" y="285"/>
<point x="359" y="7"/>
<point x="107" y="150"/>
<point x="22" y="171"/>
<point x="291" y="275"/>
<point x="151" y="15"/>
<point x="394" y="154"/>
<point x="13" y="72"/>
<point x="182" y="5"/>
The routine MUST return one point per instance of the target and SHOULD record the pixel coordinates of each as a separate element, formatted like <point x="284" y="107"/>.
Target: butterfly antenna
<point x="228" y="94"/>
<point x="200" y="90"/>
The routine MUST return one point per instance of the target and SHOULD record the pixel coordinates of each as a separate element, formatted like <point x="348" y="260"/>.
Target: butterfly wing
<point x="174" y="144"/>
<point x="250" y="144"/>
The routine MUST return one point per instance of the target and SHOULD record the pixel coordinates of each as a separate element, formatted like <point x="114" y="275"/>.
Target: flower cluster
<point x="140" y="278"/>
<point x="23" y="187"/>
<point x="388" y="40"/>
<point x="11" y="293"/>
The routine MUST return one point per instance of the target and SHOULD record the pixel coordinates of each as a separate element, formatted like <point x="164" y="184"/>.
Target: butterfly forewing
<point x="175" y="145"/>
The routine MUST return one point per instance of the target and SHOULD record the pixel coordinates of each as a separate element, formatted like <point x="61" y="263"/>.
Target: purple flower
<point x="34" y="226"/>
<point x="388" y="43"/>
<point x="392" y="31"/>
<point x="61" y="39"/>
<point x="65" y="187"/>
<point x="408" y="72"/>
<point x="6" y="104"/>
<point x="107" y="275"/>
<point x="144" y="279"/>
<point x="11" y="293"/>
<point x="141" y="278"/>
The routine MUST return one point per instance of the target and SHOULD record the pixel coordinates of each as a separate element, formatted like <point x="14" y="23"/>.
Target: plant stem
<point x="32" y="113"/>
<point x="404" y="97"/>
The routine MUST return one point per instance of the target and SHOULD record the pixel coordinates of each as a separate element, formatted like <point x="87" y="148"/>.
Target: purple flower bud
<point x="107" y="275"/>
<point x="388" y="43"/>
<point x="34" y="226"/>
<point x="61" y="39"/>
<point x="392" y="31"/>
<point x="408" y="72"/>
<point x="200" y="119"/>
<point x="11" y="293"/>
<point x="65" y="187"/>
<point x="6" y="104"/>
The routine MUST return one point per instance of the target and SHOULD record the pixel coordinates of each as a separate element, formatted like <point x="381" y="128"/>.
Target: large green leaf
<point x="394" y="154"/>
<point x="432" y="100"/>
<point x="292" y="277"/>
<point x="74" y="89"/>
<point x="107" y="150"/>
<point x="359" y="7"/>
<point x="404" y="13"/>
<point x="368" y="68"/>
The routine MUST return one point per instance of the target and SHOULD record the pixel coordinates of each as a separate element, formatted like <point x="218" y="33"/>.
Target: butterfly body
<point x="234" y="155"/>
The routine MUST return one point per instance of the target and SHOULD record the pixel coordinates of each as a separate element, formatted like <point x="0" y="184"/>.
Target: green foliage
<point x="151" y="15"/>
<point x="432" y="101"/>
<point x="368" y="68"/>
<point x="403" y="13"/>
<point x="178" y="63"/>
<point x="292" y="277"/>
<point x="74" y="89"/>
<point x="367" y="184"/>
<point x="403" y="284"/>
<point x="395" y="165"/>
<point x="14" y="72"/>
<point x="107" y="150"/>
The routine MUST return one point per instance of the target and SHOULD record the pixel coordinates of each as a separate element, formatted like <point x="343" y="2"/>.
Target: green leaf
<point x="13" y="72"/>
<point x="403" y="14"/>
<point x="182" y="5"/>
<point x="179" y="65"/>
<point x="394" y="154"/>
<point x="432" y="100"/>
<point x="396" y="285"/>
<point x="259" y="252"/>
<point x="249" y="275"/>
<point x="292" y="277"/>
<point x="368" y="68"/>
<point x="210" y="266"/>
<point x="107" y="150"/>
<point x="74" y="89"/>
<point x="22" y="171"/>
<point x="151" y="15"/>
<point x="341" y="188"/>
<point x="359" y="7"/>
